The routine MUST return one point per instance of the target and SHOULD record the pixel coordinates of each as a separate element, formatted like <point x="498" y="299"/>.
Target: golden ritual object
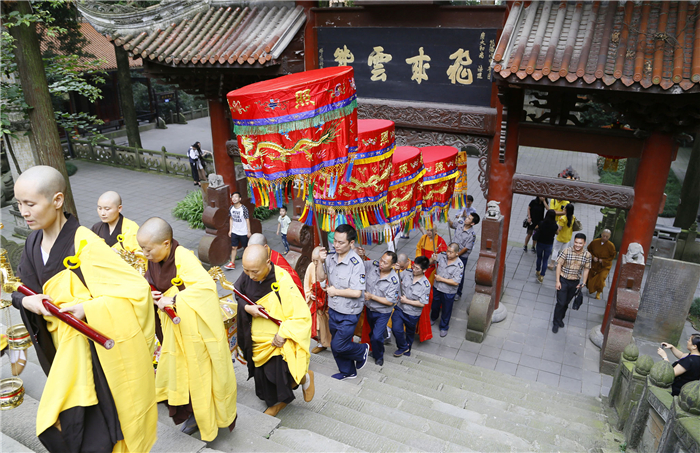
<point x="11" y="393"/>
<point x="12" y="389"/>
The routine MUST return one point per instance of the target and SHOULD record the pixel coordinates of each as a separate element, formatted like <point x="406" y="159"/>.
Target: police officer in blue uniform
<point x="415" y="292"/>
<point x="345" y="288"/>
<point x="381" y="294"/>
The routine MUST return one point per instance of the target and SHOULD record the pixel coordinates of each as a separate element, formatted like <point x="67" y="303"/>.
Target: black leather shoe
<point x="555" y="328"/>
<point x="561" y="323"/>
<point x="379" y="362"/>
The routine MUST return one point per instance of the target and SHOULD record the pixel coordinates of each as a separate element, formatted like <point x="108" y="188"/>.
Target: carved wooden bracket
<point x="566" y="189"/>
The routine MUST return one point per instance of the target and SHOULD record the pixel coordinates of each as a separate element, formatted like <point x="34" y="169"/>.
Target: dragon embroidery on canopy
<point x="373" y="182"/>
<point x="432" y="193"/>
<point x="394" y="204"/>
<point x="252" y="151"/>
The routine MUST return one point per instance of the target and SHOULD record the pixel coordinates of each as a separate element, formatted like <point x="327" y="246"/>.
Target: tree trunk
<point x="690" y="192"/>
<point x="126" y="97"/>
<point x="30" y="71"/>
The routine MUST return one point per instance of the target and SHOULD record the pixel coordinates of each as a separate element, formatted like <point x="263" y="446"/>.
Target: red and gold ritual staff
<point x="113" y="227"/>
<point x="94" y="399"/>
<point x="195" y="374"/>
<point x="277" y="355"/>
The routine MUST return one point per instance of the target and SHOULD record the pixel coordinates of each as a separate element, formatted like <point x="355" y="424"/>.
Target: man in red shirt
<point x="277" y="259"/>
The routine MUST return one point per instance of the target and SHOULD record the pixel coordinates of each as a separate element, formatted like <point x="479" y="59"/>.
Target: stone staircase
<point x="418" y="403"/>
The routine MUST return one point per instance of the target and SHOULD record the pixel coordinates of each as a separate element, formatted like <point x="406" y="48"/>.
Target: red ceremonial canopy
<point x="294" y="127"/>
<point x="361" y="193"/>
<point x="459" y="200"/>
<point x="439" y="180"/>
<point x="404" y="197"/>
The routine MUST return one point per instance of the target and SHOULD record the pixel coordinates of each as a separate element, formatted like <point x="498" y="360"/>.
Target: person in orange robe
<point x="277" y="259"/>
<point x="428" y="244"/>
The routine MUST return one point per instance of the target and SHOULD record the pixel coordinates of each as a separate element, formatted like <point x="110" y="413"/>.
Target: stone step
<point x="297" y="417"/>
<point x="504" y="417"/>
<point x="9" y="445"/>
<point x="494" y="376"/>
<point x="472" y="436"/>
<point x="395" y="368"/>
<point x="309" y="441"/>
<point x="580" y="433"/>
<point x="20" y="425"/>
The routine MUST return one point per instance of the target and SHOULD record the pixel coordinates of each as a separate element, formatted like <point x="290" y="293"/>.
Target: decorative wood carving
<point x="433" y="116"/>
<point x="504" y="136"/>
<point x="565" y="189"/>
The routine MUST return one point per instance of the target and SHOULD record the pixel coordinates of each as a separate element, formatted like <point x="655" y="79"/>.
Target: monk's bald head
<point x="256" y="262"/>
<point x="45" y="180"/>
<point x="109" y="206"/>
<point x="257" y="239"/>
<point x="156" y="230"/>
<point x="110" y="197"/>
<point x="155" y="238"/>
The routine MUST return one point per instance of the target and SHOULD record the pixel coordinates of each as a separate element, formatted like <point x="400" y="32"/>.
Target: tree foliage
<point x="68" y="68"/>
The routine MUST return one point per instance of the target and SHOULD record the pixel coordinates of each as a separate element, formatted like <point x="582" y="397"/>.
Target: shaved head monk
<point x="113" y="227"/>
<point x="115" y="407"/>
<point x="278" y="356"/>
<point x="195" y="376"/>
<point x="277" y="259"/>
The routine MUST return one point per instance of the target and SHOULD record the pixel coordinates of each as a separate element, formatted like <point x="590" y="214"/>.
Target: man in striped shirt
<point x="571" y="264"/>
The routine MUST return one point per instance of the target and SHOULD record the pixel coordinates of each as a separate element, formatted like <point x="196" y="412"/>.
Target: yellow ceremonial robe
<point x="129" y="242"/>
<point x="195" y="361"/>
<point x="118" y="303"/>
<point x="296" y="327"/>
<point x="605" y="252"/>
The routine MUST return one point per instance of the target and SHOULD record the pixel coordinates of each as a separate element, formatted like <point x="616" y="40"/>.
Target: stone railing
<point x="651" y="419"/>
<point x="132" y="158"/>
<point x="189" y="115"/>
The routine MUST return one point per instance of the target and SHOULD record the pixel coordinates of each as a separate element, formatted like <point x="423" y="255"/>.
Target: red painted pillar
<point x="220" y="134"/>
<point x="310" y="39"/>
<point x="501" y="175"/>
<point x="655" y="163"/>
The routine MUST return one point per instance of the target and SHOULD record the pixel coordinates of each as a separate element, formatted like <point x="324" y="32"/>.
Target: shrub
<point x="71" y="168"/>
<point x="695" y="308"/>
<point x="264" y="213"/>
<point x="190" y="209"/>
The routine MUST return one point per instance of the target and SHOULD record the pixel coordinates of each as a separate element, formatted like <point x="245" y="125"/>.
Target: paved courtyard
<point x="522" y="345"/>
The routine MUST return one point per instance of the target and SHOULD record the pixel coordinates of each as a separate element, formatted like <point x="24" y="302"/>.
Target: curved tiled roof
<point x="242" y="35"/>
<point x="642" y="45"/>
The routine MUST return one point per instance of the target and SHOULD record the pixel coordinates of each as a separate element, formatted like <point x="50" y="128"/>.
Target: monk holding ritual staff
<point x="195" y="374"/>
<point x="94" y="399"/>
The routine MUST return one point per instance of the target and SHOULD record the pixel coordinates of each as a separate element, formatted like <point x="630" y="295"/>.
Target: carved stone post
<point x="484" y="299"/>
<point x="215" y="245"/>
<point x="656" y="394"/>
<point x="618" y="333"/>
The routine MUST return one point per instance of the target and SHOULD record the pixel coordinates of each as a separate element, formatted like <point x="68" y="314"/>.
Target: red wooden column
<point x="501" y="176"/>
<point x="220" y="134"/>
<point x="655" y="163"/>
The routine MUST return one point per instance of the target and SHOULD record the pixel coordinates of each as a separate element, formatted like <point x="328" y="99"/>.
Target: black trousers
<point x="564" y="296"/>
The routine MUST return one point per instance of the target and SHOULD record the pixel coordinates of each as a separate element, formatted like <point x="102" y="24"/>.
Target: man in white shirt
<point x="239" y="227"/>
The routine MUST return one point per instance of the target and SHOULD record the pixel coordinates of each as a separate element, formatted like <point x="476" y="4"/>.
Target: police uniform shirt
<point x="465" y="239"/>
<point x="418" y="291"/>
<point x="387" y="286"/>
<point x="449" y="271"/>
<point x="348" y="274"/>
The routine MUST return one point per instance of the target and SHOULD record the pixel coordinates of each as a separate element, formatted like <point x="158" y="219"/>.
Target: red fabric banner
<point x="405" y="193"/>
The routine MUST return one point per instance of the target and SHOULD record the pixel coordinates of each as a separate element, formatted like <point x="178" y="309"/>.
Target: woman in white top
<point x="196" y="155"/>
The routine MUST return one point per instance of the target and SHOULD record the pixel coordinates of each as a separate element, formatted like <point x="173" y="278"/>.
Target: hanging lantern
<point x="405" y="189"/>
<point x="459" y="199"/>
<point x="359" y="198"/>
<point x="439" y="179"/>
<point x="293" y="128"/>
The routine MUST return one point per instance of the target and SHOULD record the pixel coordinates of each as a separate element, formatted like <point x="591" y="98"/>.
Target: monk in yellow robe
<point x="603" y="253"/>
<point x="117" y="231"/>
<point x="278" y="356"/>
<point x="94" y="399"/>
<point x="195" y="374"/>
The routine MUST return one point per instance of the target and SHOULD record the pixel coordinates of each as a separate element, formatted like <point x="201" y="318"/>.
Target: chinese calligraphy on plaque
<point x="423" y="64"/>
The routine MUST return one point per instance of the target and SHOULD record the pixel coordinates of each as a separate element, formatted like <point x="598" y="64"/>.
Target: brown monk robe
<point x="603" y="252"/>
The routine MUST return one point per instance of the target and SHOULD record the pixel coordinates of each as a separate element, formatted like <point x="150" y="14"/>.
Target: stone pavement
<point x="177" y="138"/>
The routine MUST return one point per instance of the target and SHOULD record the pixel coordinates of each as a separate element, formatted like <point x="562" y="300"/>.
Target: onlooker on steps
<point x="544" y="235"/>
<point x="687" y="368"/>
<point x="535" y="214"/>
<point x="573" y="262"/>
<point x="566" y="229"/>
